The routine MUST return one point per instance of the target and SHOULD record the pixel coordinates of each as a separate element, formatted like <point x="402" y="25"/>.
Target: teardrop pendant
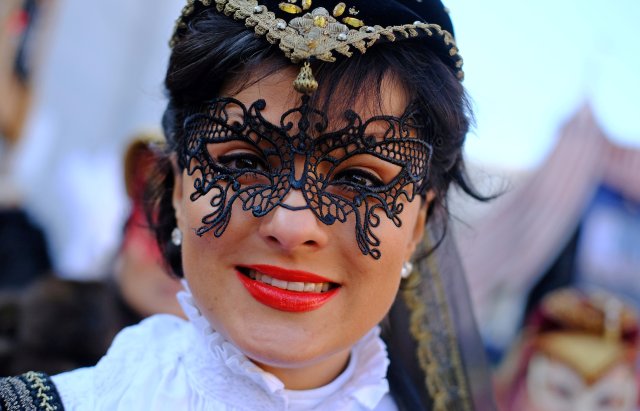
<point x="305" y="83"/>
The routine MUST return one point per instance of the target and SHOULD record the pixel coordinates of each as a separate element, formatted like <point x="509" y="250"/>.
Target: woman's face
<point x="304" y="341"/>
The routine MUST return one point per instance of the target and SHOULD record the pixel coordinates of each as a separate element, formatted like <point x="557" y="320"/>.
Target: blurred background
<point x="554" y="86"/>
<point x="555" y="91"/>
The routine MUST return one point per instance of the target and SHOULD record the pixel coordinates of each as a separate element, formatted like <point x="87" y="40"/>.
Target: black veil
<point x="437" y="357"/>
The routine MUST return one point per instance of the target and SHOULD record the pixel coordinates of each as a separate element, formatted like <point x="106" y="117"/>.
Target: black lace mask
<point x="263" y="172"/>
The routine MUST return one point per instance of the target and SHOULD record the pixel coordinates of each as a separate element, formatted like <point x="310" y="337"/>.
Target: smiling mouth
<point x="299" y="286"/>
<point x="303" y="292"/>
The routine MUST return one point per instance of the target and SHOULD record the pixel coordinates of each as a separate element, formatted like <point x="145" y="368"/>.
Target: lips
<point x="286" y="290"/>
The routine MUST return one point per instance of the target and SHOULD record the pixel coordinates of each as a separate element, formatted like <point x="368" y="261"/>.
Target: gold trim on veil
<point x="437" y="307"/>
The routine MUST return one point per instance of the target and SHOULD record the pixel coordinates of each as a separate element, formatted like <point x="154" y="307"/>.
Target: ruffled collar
<point x="363" y="381"/>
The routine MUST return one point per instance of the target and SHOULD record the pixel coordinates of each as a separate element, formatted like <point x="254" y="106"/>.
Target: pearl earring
<point x="176" y="237"/>
<point x="407" y="268"/>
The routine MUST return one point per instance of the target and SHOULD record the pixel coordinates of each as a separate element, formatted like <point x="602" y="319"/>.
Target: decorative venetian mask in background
<point x="578" y="352"/>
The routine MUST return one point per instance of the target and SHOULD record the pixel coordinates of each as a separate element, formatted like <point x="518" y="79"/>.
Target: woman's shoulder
<point x="139" y="356"/>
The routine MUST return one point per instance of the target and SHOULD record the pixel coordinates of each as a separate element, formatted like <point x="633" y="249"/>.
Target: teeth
<point x="292" y="286"/>
<point x="279" y="283"/>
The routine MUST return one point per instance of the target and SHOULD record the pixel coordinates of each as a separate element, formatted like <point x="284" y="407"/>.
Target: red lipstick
<point x="286" y="300"/>
<point x="288" y="275"/>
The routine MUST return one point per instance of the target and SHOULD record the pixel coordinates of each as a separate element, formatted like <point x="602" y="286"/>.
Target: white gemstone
<point x="281" y="25"/>
<point x="176" y="237"/>
<point x="320" y="11"/>
<point x="342" y="36"/>
<point x="369" y="29"/>
<point x="257" y="9"/>
<point x="415" y="23"/>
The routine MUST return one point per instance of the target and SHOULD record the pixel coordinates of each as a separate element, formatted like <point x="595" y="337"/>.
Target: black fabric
<point x="31" y="391"/>
<point x="562" y="273"/>
<point x="24" y="254"/>
<point x="434" y="306"/>
<point x="470" y="346"/>
<point x="406" y="377"/>
<point x="381" y="12"/>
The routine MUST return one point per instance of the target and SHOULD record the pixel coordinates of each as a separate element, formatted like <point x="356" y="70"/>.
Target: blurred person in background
<point x="84" y="105"/>
<point x="24" y="254"/>
<point x="55" y="325"/>
<point x="18" y="23"/>
<point x="577" y="351"/>
<point x="142" y="278"/>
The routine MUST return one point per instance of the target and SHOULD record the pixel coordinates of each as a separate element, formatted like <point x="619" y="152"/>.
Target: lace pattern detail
<point x="327" y="193"/>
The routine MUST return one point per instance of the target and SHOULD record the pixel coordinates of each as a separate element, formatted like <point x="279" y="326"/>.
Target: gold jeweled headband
<point x="315" y="33"/>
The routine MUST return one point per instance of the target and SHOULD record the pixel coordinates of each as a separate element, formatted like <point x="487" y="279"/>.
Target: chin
<point x="283" y="355"/>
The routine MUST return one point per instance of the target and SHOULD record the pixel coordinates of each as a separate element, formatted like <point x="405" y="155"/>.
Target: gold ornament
<point x="353" y="22"/>
<point x="303" y="39"/>
<point x="305" y="83"/>
<point x="306" y="4"/>
<point x="320" y="21"/>
<point x="290" y="8"/>
<point x="339" y="9"/>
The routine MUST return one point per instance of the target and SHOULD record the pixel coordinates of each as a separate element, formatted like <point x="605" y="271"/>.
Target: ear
<point x="177" y="195"/>
<point x="420" y="225"/>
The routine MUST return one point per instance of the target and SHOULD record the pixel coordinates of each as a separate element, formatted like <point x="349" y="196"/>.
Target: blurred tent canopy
<point x="529" y="231"/>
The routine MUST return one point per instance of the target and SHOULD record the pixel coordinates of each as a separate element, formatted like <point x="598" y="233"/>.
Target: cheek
<point x="618" y="391"/>
<point x="398" y="243"/>
<point x="208" y="261"/>
<point x="381" y="278"/>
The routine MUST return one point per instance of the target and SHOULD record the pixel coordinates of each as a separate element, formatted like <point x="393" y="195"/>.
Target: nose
<point x="293" y="230"/>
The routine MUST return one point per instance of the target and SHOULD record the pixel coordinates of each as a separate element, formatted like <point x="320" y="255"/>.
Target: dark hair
<point x="216" y="50"/>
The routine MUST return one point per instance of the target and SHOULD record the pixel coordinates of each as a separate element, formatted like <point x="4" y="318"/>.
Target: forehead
<point x="277" y="90"/>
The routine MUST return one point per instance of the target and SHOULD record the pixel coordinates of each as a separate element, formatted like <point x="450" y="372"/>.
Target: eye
<point x="243" y="160"/>
<point x="560" y="390"/>
<point x="359" y="177"/>
<point x="610" y="401"/>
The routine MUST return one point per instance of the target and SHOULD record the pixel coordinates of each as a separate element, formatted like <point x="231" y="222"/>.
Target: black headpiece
<point x="315" y="29"/>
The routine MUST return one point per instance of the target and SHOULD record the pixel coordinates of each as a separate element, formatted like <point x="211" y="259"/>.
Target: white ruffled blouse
<point x="167" y="363"/>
